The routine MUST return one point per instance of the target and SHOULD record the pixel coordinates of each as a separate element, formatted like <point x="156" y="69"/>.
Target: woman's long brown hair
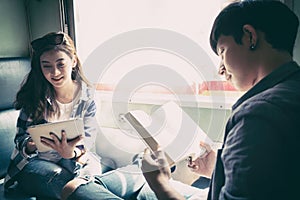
<point x="36" y="92"/>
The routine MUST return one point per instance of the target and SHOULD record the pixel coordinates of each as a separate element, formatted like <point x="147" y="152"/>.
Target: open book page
<point x="72" y="127"/>
<point x="170" y="128"/>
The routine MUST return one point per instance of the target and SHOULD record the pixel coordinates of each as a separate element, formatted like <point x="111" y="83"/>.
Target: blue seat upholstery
<point x="12" y="72"/>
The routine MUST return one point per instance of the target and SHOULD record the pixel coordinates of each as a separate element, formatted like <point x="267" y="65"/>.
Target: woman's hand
<point x="30" y="147"/>
<point x="205" y="164"/>
<point x="62" y="146"/>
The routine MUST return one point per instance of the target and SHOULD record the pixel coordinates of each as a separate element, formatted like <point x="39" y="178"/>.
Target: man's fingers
<point x="161" y="158"/>
<point x="149" y="163"/>
<point x="157" y="167"/>
<point x="206" y="146"/>
<point x="156" y="161"/>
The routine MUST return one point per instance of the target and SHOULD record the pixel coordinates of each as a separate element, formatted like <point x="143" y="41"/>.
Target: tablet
<point x="72" y="127"/>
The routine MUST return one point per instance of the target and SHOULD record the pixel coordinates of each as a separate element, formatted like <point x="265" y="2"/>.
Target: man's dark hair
<point x="273" y="18"/>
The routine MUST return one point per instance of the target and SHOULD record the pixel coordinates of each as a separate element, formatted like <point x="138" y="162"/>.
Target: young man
<point x="259" y="156"/>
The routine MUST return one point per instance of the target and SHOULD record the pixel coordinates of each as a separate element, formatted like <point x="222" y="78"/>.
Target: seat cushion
<point x="12" y="73"/>
<point x="8" y="120"/>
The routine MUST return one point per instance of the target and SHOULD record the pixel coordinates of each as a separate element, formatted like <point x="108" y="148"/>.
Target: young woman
<point x="54" y="90"/>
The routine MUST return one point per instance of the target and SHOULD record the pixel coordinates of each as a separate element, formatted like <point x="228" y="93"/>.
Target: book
<point x="73" y="128"/>
<point x="170" y="128"/>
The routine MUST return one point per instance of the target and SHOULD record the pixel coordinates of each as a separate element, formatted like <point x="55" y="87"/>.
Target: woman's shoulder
<point x="87" y="91"/>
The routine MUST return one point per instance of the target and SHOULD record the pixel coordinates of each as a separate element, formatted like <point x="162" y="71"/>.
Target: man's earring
<point x="252" y="47"/>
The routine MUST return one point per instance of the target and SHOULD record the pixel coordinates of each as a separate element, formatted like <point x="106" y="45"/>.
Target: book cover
<point x="170" y="128"/>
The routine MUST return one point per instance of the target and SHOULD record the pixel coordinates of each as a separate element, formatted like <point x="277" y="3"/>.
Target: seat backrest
<point x="12" y="73"/>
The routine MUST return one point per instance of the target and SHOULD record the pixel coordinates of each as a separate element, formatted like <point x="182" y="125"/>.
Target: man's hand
<point x="62" y="146"/>
<point x="155" y="167"/>
<point x="205" y="164"/>
<point x="156" y="171"/>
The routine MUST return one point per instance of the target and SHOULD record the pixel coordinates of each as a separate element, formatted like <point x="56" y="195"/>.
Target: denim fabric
<point x="45" y="179"/>
<point x="122" y="183"/>
<point x="189" y="192"/>
<point x="92" y="191"/>
<point x="128" y="183"/>
<point x="85" y="106"/>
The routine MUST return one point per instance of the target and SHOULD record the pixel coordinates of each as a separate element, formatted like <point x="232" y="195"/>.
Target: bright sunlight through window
<point x="151" y="49"/>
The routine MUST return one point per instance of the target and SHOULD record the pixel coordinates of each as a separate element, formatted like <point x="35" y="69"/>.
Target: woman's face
<point x="57" y="68"/>
<point x="237" y="64"/>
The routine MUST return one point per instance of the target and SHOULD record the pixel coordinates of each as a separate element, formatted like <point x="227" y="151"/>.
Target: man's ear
<point x="251" y="36"/>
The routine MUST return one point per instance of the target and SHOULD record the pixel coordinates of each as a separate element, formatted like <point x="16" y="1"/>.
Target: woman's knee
<point x="71" y="186"/>
<point x="43" y="179"/>
<point x="87" y="190"/>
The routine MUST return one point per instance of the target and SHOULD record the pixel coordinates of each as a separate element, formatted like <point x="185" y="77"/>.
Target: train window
<point x="121" y="39"/>
<point x="151" y="51"/>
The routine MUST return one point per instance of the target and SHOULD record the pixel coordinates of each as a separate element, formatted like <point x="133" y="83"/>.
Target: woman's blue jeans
<point x="122" y="183"/>
<point x="128" y="183"/>
<point x="45" y="179"/>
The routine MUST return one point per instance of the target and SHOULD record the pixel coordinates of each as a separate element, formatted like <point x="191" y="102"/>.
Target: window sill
<point x="214" y="100"/>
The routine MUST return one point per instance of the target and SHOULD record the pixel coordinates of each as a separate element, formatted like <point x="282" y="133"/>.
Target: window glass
<point x="151" y="49"/>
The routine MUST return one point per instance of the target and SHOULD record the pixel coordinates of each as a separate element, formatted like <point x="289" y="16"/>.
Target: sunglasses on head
<point x="41" y="43"/>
